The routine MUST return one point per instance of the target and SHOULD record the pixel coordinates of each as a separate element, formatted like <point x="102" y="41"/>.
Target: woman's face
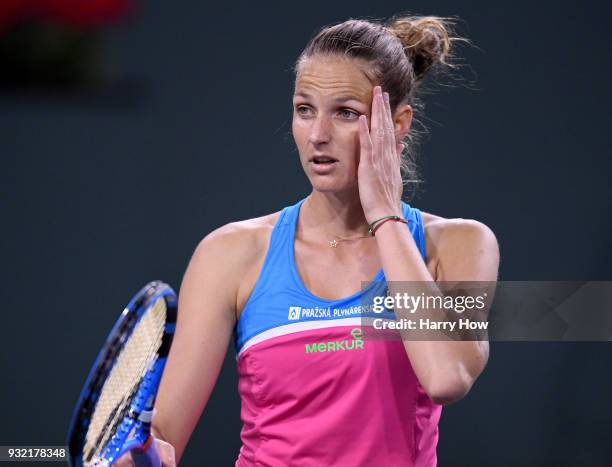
<point x="330" y="94"/>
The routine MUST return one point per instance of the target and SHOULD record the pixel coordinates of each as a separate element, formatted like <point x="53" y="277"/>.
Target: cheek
<point x="351" y="143"/>
<point x="300" y="133"/>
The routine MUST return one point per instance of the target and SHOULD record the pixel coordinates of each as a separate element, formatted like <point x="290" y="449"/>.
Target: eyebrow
<point x="341" y="98"/>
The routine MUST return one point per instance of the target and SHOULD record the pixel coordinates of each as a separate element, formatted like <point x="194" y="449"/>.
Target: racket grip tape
<point x="147" y="455"/>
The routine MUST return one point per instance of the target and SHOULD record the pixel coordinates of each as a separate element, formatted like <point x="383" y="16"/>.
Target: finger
<point x="389" y="126"/>
<point x="124" y="461"/>
<point x="373" y="108"/>
<point x="378" y="109"/>
<point x="166" y="454"/>
<point x="381" y="140"/>
<point x="400" y="149"/>
<point x="365" y="141"/>
<point x="373" y="113"/>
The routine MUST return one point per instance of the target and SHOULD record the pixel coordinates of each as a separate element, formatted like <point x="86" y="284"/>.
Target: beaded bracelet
<point x="374" y="226"/>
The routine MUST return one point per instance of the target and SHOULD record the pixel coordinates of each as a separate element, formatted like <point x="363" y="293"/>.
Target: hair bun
<point x="425" y="39"/>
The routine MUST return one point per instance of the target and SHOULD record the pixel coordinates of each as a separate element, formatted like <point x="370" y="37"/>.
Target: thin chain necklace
<point x="333" y="243"/>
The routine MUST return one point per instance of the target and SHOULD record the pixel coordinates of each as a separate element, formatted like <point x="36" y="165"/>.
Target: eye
<point x="303" y="110"/>
<point x="349" y="114"/>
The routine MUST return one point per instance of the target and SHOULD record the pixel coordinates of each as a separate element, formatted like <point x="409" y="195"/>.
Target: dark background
<point x="107" y="188"/>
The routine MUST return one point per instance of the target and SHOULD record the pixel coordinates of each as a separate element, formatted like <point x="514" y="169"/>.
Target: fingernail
<point x="386" y="96"/>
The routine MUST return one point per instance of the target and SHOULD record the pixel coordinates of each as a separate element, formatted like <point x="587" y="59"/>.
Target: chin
<point x="330" y="185"/>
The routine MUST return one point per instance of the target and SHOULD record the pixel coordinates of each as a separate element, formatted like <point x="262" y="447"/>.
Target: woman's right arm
<point x="206" y="317"/>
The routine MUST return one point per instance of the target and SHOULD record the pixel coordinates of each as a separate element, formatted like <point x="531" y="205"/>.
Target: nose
<point x="320" y="131"/>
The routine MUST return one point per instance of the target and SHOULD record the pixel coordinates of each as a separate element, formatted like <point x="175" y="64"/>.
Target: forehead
<point x="332" y="75"/>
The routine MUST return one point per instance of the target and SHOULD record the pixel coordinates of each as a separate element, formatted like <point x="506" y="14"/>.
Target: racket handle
<point x="147" y="457"/>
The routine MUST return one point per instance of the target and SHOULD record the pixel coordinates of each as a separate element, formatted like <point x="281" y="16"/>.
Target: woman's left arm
<point x="465" y="251"/>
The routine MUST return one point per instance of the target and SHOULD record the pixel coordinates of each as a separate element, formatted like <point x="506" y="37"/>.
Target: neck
<point x="335" y="213"/>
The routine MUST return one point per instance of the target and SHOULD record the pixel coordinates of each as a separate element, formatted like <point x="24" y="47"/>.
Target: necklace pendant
<point x="333" y="243"/>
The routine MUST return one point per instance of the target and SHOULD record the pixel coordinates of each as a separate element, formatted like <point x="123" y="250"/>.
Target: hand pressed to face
<point x="330" y="94"/>
<point x="379" y="175"/>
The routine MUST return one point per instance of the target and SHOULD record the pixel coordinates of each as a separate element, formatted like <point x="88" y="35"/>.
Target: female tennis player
<point x="287" y="286"/>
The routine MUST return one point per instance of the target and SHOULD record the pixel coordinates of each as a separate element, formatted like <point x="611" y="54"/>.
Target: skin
<point x="363" y="135"/>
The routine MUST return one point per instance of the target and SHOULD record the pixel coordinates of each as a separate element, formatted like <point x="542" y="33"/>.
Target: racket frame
<point x="139" y="415"/>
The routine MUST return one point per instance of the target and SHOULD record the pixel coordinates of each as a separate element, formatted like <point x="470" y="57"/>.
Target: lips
<point x="322" y="164"/>
<point x="323" y="160"/>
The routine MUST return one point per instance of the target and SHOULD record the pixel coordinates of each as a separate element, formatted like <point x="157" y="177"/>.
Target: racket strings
<point x="124" y="379"/>
<point x="133" y="372"/>
<point x="138" y="357"/>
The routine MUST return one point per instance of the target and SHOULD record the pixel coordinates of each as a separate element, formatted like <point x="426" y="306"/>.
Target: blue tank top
<point x="279" y="282"/>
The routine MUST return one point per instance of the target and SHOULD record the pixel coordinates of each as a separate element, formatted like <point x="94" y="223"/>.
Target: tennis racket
<point x="115" y="407"/>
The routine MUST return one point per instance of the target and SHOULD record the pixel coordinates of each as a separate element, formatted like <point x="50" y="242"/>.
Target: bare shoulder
<point x="239" y="241"/>
<point x="225" y="261"/>
<point x="441" y="229"/>
<point x="458" y="240"/>
<point x="236" y="252"/>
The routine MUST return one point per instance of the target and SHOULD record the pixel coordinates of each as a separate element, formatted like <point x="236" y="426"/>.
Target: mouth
<point x="323" y="160"/>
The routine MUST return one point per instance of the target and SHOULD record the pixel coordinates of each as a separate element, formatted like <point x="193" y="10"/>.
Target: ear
<point x="402" y="120"/>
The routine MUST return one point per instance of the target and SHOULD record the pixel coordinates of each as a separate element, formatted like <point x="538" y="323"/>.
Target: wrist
<point x="378" y="223"/>
<point x="380" y="213"/>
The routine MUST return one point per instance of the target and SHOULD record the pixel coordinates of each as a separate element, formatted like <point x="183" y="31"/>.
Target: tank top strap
<point x="273" y="282"/>
<point x="290" y="214"/>
<point x="416" y="227"/>
<point x="279" y="253"/>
